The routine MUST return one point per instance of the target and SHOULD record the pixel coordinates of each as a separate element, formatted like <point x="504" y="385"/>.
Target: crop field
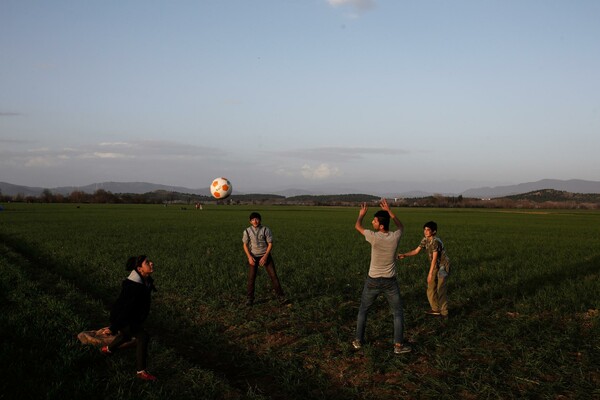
<point x="524" y="305"/>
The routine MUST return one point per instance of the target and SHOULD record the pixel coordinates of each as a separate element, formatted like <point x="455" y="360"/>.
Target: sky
<point x="440" y="96"/>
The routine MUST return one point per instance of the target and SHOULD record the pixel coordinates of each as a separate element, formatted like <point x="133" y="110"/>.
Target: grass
<point x="523" y="300"/>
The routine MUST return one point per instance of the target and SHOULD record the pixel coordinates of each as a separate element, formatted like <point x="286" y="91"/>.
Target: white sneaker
<point x="401" y="349"/>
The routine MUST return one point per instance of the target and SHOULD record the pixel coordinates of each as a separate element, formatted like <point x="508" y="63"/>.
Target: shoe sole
<point x="402" y="350"/>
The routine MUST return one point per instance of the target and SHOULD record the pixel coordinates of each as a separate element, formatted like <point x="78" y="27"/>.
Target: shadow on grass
<point x="203" y="344"/>
<point x="491" y="295"/>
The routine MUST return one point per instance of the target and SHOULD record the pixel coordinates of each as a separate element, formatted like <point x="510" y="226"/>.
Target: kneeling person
<point x="131" y="310"/>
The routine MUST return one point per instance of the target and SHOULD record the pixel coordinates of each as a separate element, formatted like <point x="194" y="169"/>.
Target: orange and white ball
<point x="220" y="188"/>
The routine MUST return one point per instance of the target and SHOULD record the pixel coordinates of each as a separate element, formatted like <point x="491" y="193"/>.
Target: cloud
<point x="9" y="114"/>
<point x="320" y="172"/>
<point x="41" y="161"/>
<point x="141" y="150"/>
<point x="326" y="159"/>
<point x="360" y="6"/>
<point x="159" y="149"/>
<point x="14" y="141"/>
<point x="116" y="144"/>
<point x="110" y="155"/>
<point x="339" y="154"/>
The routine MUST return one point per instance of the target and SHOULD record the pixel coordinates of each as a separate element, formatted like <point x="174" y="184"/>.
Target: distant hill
<point x="12" y="190"/>
<point x="293" y="192"/>
<point x="411" y="195"/>
<point x="129" y="187"/>
<point x="333" y="198"/>
<point x="113" y="187"/>
<point x="551" y="195"/>
<point x="572" y="186"/>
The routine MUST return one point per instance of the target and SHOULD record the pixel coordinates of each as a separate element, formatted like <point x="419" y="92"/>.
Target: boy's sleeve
<point x="369" y="234"/>
<point x="268" y="235"/>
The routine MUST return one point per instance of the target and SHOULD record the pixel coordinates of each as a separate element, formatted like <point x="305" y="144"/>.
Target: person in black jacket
<point x="131" y="310"/>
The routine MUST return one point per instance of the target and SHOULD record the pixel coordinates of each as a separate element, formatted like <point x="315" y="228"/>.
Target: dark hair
<point x="384" y="219"/>
<point x="134" y="262"/>
<point x="130" y="264"/>
<point x="255" y="215"/>
<point x="431" y="225"/>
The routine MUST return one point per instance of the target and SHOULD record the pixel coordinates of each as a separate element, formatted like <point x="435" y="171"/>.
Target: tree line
<point x="548" y="199"/>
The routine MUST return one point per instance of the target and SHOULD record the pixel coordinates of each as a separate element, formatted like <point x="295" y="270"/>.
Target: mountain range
<point x="572" y="185"/>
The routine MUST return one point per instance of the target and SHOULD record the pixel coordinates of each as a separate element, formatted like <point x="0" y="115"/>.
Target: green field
<point x="524" y="298"/>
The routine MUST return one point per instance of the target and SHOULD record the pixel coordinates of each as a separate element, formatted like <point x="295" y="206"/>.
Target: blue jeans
<point x="390" y="289"/>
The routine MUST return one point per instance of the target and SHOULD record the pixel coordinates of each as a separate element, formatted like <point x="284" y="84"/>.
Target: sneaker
<point x="105" y="350"/>
<point x="356" y="344"/>
<point x="401" y="349"/>
<point x="432" y="312"/>
<point x="145" y="376"/>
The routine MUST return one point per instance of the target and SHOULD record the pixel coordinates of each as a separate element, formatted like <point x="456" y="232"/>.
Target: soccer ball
<point x="220" y="188"/>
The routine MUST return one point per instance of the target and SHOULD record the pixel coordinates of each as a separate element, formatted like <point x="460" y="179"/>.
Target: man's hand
<point x="384" y="205"/>
<point x="263" y="260"/>
<point x="363" y="210"/>
<point x="361" y="214"/>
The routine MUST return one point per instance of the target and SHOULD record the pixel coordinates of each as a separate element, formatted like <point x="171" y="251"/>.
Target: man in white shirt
<point x="382" y="273"/>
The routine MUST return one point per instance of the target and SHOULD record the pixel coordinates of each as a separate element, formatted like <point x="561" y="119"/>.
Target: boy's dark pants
<point x="141" y="338"/>
<point x="270" y="268"/>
